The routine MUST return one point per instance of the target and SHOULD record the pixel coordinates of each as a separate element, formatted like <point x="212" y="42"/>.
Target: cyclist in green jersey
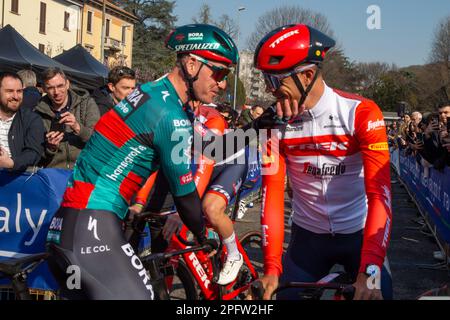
<point x="147" y="131"/>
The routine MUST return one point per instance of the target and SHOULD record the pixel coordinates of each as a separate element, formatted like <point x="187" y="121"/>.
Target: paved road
<point x="409" y="246"/>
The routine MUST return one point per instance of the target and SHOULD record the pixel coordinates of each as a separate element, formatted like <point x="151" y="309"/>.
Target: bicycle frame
<point x="202" y="268"/>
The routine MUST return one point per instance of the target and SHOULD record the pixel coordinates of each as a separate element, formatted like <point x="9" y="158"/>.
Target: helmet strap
<point x="190" y="81"/>
<point x="304" y="92"/>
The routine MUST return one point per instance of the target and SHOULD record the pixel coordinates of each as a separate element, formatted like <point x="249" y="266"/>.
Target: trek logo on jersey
<point x="374" y="125"/>
<point x="283" y="37"/>
<point x="181" y="123"/>
<point x="326" y="146"/>
<point x="325" y="170"/>
<point x="137" y="98"/>
<point x="186" y="178"/>
<point x="380" y="146"/>
<point x="197" y="46"/>
<point x="195" y="36"/>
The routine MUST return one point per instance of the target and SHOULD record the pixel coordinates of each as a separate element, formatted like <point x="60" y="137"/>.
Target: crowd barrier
<point x="430" y="187"/>
<point x="28" y="202"/>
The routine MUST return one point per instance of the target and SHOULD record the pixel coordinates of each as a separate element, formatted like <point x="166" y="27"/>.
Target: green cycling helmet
<point x="204" y="40"/>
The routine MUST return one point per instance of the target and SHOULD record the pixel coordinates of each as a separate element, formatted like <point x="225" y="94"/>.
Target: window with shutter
<point x="15" y="6"/>
<point x="42" y="17"/>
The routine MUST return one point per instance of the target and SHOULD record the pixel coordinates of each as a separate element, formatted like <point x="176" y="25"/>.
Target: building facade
<point x="252" y="79"/>
<point x="52" y="26"/>
<point x="119" y="26"/>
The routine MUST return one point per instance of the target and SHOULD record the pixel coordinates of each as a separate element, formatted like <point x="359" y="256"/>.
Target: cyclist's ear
<point x="190" y="64"/>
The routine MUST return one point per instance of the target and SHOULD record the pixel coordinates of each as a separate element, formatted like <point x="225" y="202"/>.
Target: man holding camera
<point x="69" y="118"/>
<point x="436" y="137"/>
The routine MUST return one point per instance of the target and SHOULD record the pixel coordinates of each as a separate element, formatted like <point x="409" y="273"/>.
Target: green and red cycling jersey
<point x="147" y="131"/>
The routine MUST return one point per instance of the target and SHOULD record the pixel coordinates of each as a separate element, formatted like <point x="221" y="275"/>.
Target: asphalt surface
<point x="410" y="251"/>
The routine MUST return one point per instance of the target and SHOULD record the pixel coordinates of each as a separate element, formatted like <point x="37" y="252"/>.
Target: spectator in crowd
<point x="403" y="131"/>
<point x="392" y="134"/>
<point x="69" y="118"/>
<point x="248" y="115"/>
<point x="429" y="139"/>
<point x="22" y="134"/>
<point x="416" y="116"/>
<point x="31" y="94"/>
<point x="121" y="82"/>
<point x="228" y="113"/>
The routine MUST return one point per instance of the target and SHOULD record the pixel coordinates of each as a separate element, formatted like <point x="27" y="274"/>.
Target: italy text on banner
<point x="27" y="204"/>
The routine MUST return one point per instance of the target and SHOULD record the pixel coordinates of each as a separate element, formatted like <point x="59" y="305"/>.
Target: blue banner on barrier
<point x="27" y="204"/>
<point x="431" y="190"/>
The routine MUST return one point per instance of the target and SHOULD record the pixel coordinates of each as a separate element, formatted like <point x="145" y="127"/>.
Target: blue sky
<point x="405" y="37"/>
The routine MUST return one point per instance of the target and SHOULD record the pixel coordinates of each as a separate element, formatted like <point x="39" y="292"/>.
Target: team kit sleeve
<point x="172" y="141"/>
<point x="272" y="208"/>
<point x="143" y="193"/>
<point x="370" y="132"/>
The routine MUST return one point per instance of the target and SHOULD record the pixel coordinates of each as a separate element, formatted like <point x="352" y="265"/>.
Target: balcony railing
<point x="113" y="44"/>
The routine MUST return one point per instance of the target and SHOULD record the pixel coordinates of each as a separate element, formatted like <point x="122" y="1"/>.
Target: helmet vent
<point x="221" y="40"/>
<point x="275" y="60"/>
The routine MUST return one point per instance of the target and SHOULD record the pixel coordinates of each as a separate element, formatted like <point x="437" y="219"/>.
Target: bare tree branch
<point x="287" y="15"/>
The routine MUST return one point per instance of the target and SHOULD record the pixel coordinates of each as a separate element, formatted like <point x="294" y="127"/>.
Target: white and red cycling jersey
<point x="336" y="155"/>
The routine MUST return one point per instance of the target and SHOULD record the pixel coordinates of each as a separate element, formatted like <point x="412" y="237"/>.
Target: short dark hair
<point x="13" y="75"/>
<point x="120" y="72"/>
<point x="52" y="72"/>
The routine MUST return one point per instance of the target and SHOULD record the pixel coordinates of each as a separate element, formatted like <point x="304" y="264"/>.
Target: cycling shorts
<point x="310" y="257"/>
<point x="90" y="258"/>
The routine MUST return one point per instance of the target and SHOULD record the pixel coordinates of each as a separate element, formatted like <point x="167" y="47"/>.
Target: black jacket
<point x="26" y="139"/>
<point x="103" y="99"/>
<point x="31" y="97"/>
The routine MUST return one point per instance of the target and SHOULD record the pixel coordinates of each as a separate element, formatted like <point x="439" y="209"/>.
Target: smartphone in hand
<point x="56" y="126"/>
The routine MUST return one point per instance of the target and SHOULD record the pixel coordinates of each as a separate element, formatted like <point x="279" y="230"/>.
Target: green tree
<point x="392" y="87"/>
<point x="155" y="21"/>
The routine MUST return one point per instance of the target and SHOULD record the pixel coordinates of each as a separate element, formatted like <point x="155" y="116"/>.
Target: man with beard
<point x="22" y="134"/>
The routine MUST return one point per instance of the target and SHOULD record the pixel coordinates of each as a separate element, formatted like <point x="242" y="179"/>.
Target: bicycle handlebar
<point x="347" y="291"/>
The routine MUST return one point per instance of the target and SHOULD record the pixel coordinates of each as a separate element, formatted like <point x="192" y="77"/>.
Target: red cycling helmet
<point x="289" y="46"/>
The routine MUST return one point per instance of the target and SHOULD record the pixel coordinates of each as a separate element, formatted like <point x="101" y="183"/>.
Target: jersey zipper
<point x="319" y="166"/>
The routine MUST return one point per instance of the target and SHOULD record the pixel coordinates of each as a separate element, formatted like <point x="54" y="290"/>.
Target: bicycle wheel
<point x="183" y="284"/>
<point x="252" y="244"/>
